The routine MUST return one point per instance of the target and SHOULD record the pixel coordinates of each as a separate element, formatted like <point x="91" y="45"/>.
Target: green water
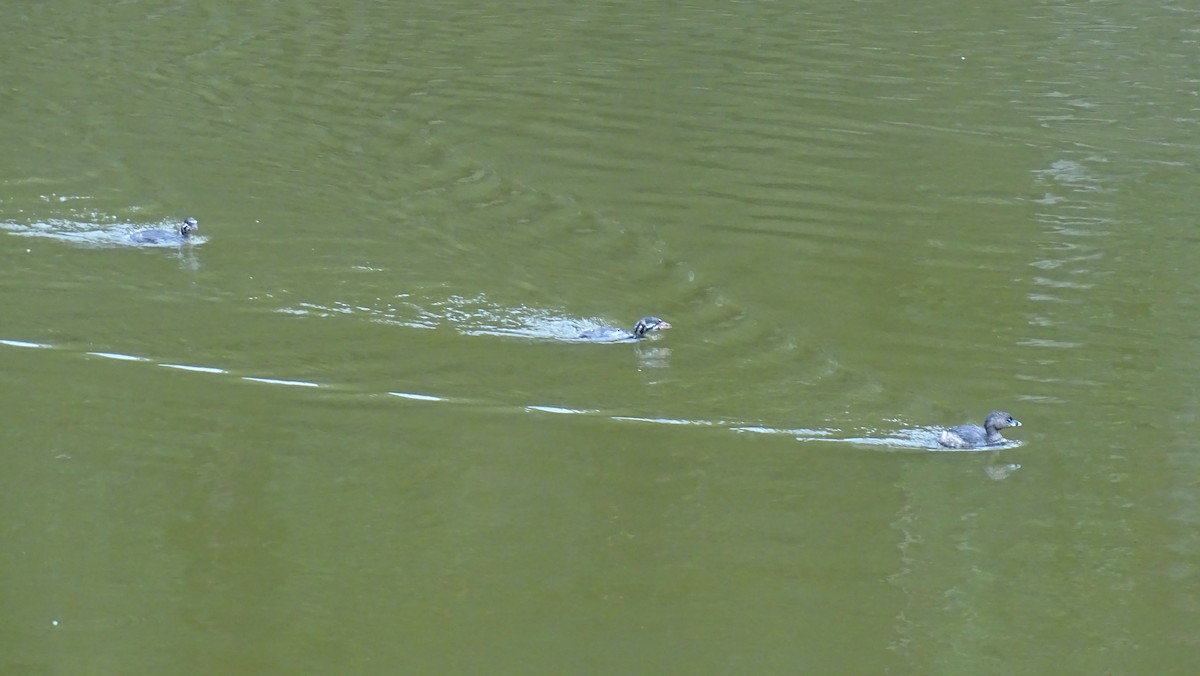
<point x="350" y="432"/>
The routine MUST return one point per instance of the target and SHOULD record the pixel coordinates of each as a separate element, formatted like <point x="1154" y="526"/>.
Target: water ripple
<point x="905" y="439"/>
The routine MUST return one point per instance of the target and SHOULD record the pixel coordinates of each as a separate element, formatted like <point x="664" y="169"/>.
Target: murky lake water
<point x="350" y="431"/>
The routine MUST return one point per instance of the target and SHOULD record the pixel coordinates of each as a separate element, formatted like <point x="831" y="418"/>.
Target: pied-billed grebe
<point x="971" y="436"/>
<point x="615" y="335"/>
<point x="156" y="236"/>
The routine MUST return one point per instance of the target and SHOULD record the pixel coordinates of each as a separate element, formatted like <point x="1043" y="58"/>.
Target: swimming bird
<point x="973" y="436"/>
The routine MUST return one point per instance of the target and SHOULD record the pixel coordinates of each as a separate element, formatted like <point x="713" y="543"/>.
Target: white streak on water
<point x="558" y="409"/>
<point x="666" y="421"/>
<point x="201" y="369"/>
<point x="418" y="397"/>
<point x="118" y="356"/>
<point x="21" y="343"/>
<point x="276" y="381"/>
<point x="798" y="433"/>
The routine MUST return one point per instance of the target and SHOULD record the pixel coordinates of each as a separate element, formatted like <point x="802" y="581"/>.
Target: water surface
<point x="353" y="429"/>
